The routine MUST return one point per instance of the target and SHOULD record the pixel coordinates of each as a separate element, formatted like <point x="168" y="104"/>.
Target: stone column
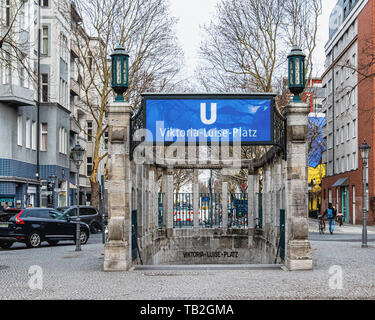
<point x="196" y="199"/>
<point x="251" y="190"/>
<point x="117" y="251"/>
<point x="224" y="191"/>
<point x="169" y="199"/>
<point x="298" y="248"/>
<point x="266" y="196"/>
<point x="164" y="190"/>
<point x="151" y="177"/>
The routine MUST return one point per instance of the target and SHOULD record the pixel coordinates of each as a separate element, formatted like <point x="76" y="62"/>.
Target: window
<point x="45" y="40"/>
<point x="348" y="163"/>
<point x="7" y="13"/>
<point x="63" y="98"/>
<point x="354" y="160"/>
<point x="45" y="3"/>
<point x="7" y="71"/>
<point x="89" y="166"/>
<point x="348" y="131"/>
<point x="22" y="15"/>
<point x="106" y="140"/>
<point x="329" y="87"/>
<point x="33" y="134"/>
<point x="343" y="169"/>
<point x="28" y="136"/>
<point x="354" y="62"/>
<point x="89" y="131"/>
<point x="354" y="128"/>
<point x="44" y="87"/>
<point x="21" y="70"/>
<point x="342" y="134"/>
<point x="337" y="137"/>
<point x="64" y="47"/>
<point x="44" y="137"/>
<point x="19" y="130"/>
<point x="330" y="141"/>
<point x="63" y="141"/>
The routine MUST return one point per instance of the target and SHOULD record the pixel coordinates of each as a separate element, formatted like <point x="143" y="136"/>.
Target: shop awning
<point x="72" y="186"/>
<point x="341" y="182"/>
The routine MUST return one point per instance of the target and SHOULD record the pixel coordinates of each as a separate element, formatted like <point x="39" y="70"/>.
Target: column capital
<point x="297" y="108"/>
<point x="120" y="107"/>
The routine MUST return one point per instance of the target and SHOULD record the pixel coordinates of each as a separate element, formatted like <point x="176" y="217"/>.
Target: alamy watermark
<point x="336" y="280"/>
<point x="36" y="278"/>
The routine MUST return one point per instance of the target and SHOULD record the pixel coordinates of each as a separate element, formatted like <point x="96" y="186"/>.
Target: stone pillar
<point x="196" y="199"/>
<point x="164" y="189"/>
<point x="266" y="196"/>
<point x="169" y="199"/>
<point x="152" y="187"/>
<point x="224" y="191"/>
<point x="251" y="213"/>
<point x="117" y="251"/>
<point x="298" y="248"/>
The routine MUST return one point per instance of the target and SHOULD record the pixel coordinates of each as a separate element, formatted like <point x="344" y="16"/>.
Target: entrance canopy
<point x="343" y="182"/>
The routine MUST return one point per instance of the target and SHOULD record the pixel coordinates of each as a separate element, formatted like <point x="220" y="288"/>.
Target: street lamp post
<point x="77" y="155"/>
<point x="365" y="152"/>
<point x="53" y="178"/>
<point x="297" y="73"/>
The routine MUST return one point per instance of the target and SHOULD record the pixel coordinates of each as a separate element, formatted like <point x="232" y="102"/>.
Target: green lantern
<point x="297" y="76"/>
<point x="120" y="72"/>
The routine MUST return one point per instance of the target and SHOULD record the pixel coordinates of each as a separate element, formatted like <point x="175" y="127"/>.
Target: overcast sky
<point x="194" y="13"/>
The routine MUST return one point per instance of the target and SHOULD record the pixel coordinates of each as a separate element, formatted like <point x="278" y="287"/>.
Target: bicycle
<point x="322" y="225"/>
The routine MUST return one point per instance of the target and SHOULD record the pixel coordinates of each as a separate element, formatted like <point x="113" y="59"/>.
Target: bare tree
<point x="15" y="44"/>
<point x="247" y="43"/>
<point x="145" y="29"/>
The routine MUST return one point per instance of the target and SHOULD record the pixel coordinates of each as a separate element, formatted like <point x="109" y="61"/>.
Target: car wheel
<point x="34" y="240"/>
<point x="6" y="245"/>
<point x="53" y="242"/>
<point x="94" y="228"/>
<point x="84" y="237"/>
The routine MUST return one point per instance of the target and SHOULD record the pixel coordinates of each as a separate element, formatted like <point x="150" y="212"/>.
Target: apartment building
<point x="25" y="173"/>
<point x="348" y="104"/>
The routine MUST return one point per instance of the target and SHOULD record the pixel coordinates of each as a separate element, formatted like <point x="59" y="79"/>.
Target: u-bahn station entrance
<point x="150" y="224"/>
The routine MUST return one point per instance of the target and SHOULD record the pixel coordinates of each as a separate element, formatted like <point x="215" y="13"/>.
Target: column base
<point x="116" y="256"/>
<point x="299" y="256"/>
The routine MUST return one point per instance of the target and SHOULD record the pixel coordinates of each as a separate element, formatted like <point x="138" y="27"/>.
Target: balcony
<point x="74" y="87"/>
<point x="16" y="95"/>
<point x="74" y="126"/>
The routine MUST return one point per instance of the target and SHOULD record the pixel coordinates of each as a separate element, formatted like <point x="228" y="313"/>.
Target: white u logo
<point x="204" y="113"/>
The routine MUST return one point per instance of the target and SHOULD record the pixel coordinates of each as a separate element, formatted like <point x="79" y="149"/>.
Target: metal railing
<point x="183" y="214"/>
<point x="238" y="210"/>
<point x="210" y="213"/>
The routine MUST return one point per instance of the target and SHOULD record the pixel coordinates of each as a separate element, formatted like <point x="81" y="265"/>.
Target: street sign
<point x="46" y="193"/>
<point x="243" y="118"/>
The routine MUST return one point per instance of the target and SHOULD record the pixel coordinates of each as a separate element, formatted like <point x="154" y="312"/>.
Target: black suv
<point x="89" y="215"/>
<point x="33" y="226"/>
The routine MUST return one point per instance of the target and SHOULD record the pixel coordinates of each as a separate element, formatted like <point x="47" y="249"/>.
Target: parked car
<point x="34" y="225"/>
<point x="89" y="215"/>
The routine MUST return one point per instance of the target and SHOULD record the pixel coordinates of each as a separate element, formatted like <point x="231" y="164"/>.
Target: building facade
<point x="348" y="105"/>
<point x="48" y="177"/>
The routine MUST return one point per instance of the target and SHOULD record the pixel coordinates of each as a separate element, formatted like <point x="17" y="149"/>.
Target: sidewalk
<point x="79" y="275"/>
<point x="346" y="228"/>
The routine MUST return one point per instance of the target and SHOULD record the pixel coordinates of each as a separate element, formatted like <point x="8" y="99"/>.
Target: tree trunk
<point x="95" y="193"/>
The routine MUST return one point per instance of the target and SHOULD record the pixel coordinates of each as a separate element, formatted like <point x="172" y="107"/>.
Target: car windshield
<point x="59" y="215"/>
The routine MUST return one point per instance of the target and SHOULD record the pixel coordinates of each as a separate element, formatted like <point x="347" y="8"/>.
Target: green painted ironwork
<point x="210" y="213"/>
<point x="282" y="234"/>
<point x="183" y="214"/>
<point x="238" y="210"/>
<point x="260" y="211"/>
<point x="134" y="234"/>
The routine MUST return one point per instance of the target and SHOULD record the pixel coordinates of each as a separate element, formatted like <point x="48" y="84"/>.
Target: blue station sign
<point x="244" y="118"/>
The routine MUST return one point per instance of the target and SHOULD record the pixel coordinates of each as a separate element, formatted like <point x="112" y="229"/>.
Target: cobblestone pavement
<point x="71" y="275"/>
